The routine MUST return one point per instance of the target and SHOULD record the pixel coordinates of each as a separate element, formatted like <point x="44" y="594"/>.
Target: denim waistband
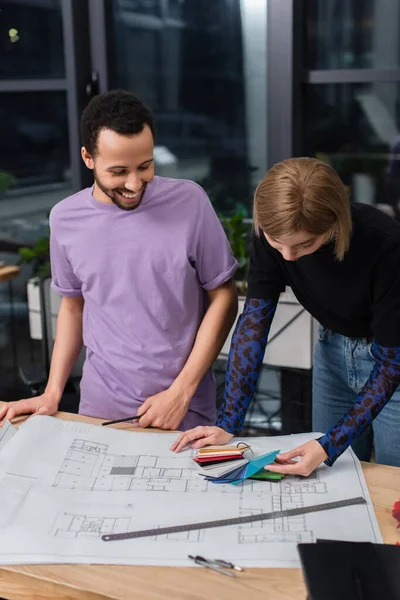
<point x="325" y="332"/>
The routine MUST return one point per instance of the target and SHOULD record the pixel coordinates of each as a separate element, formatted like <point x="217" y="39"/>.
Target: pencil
<point x="122" y="420"/>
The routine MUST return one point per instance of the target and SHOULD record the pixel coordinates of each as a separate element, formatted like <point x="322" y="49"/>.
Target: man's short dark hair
<point x="117" y="110"/>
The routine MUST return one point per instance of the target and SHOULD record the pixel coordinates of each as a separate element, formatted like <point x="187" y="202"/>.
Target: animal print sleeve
<point x="245" y="357"/>
<point x="383" y="381"/>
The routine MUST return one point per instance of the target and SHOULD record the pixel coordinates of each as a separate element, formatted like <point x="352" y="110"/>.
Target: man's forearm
<point x="67" y="346"/>
<point x="212" y="333"/>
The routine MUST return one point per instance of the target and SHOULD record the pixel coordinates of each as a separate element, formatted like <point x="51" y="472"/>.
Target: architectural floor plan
<point x="66" y="484"/>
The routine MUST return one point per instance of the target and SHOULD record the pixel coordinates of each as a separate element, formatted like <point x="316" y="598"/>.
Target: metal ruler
<point x="291" y="512"/>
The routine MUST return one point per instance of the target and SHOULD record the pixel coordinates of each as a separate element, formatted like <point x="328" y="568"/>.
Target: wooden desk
<point x="100" y="582"/>
<point x="8" y="273"/>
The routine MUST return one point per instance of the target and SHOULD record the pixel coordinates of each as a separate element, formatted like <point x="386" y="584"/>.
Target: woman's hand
<point x="201" y="436"/>
<point x="311" y="456"/>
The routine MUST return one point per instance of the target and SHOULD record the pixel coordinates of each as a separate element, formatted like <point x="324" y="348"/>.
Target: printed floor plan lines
<point x="281" y="529"/>
<point x="15" y="490"/>
<point x="89" y="466"/>
<point x="299" y="485"/>
<point x="72" y="526"/>
<point x="69" y="525"/>
<point x="64" y="485"/>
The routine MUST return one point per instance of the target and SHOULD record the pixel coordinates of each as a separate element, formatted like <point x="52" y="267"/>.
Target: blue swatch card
<point x="256" y="465"/>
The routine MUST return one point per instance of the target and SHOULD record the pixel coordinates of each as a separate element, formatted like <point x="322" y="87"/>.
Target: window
<point x="352" y="34"/>
<point x="38" y="111"/>
<point x="201" y="67"/>
<point x="34" y="141"/>
<point x="31" y="40"/>
<point x="355" y="127"/>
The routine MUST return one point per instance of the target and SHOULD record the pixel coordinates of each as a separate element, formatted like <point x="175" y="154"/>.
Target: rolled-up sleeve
<point x="63" y="279"/>
<point x="211" y="253"/>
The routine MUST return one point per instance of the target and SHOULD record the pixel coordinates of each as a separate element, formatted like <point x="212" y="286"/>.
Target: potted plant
<point x="235" y="219"/>
<point x="39" y="256"/>
<point x="238" y="231"/>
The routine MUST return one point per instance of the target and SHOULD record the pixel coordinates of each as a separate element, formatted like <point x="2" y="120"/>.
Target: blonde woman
<point x="342" y="262"/>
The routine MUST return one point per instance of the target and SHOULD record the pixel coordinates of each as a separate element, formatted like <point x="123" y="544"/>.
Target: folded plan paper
<point x="63" y="484"/>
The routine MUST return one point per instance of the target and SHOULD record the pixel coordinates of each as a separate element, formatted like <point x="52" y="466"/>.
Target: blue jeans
<point x="341" y="368"/>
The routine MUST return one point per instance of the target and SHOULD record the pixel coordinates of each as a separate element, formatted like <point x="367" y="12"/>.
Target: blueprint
<point x="64" y="484"/>
<point x="7" y="432"/>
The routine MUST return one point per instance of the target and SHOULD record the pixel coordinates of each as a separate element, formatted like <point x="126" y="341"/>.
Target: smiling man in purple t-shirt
<point x="145" y="272"/>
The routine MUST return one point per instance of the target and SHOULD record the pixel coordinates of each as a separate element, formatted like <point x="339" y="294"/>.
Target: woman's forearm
<point x="376" y="393"/>
<point x="244" y="364"/>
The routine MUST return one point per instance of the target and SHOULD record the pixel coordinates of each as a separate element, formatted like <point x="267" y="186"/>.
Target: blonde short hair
<point x="303" y="194"/>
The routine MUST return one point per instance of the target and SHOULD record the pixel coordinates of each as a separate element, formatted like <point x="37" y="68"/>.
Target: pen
<point x="134" y="418"/>
<point x="227" y="565"/>
<point x="199" y="560"/>
<point x="216" y="565"/>
<point x="121" y="420"/>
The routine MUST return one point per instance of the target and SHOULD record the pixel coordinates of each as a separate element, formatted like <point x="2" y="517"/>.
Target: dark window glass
<point x="34" y="137"/>
<point x="140" y="7"/>
<point x="201" y="68"/>
<point x="31" y="39"/>
<point x="175" y="8"/>
<point x="355" y="127"/>
<point x="138" y="62"/>
<point x="352" y="34"/>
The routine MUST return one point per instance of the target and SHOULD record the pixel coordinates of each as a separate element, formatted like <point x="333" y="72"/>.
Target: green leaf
<point x="6" y="181"/>
<point x="26" y="254"/>
<point x="44" y="270"/>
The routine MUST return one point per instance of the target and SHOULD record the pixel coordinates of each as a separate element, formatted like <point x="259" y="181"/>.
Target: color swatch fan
<point x="218" y="460"/>
<point x="227" y="464"/>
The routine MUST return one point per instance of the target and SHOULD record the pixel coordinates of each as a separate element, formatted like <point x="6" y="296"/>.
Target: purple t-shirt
<point x="143" y="276"/>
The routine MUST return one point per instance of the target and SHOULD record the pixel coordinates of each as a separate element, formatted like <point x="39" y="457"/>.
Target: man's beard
<point x="114" y="196"/>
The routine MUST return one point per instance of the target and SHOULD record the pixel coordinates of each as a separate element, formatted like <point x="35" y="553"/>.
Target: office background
<point x="235" y="86"/>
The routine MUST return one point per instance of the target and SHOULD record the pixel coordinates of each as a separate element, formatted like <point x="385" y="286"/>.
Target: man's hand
<point x="311" y="456"/>
<point x="165" y="410"/>
<point x="201" y="436"/>
<point x="41" y="405"/>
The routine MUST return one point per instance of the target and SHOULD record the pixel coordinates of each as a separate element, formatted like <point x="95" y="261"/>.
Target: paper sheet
<point x="63" y="484"/>
<point x="7" y="432"/>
